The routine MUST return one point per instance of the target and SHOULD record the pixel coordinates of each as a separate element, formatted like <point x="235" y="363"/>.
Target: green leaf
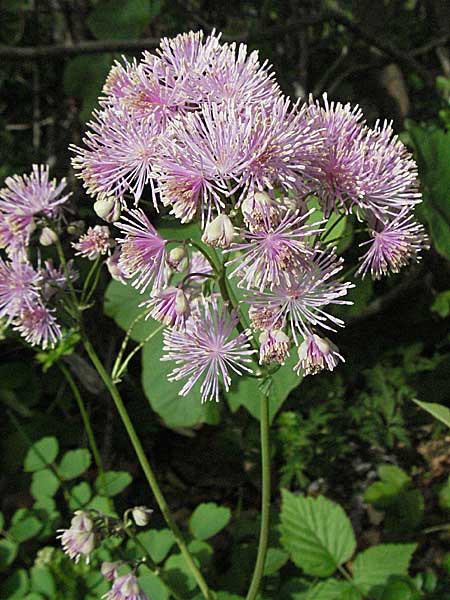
<point x="112" y="483"/>
<point x="41" y="454"/>
<point x="24" y="525"/>
<point x="8" y="552"/>
<point x="399" y="589"/>
<point x="444" y="495"/>
<point x="80" y="495"/>
<point x="16" y="586"/>
<point x="118" y="20"/>
<point x="44" y="484"/>
<point x="179" y="575"/>
<point x="316" y="532"/>
<point x="245" y="390"/>
<point x="157" y="543"/>
<point x="208" y="519"/>
<point x="438" y="411"/>
<point x="42" y="581"/>
<point x="74" y="463"/>
<point x="383" y="493"/>
<point x="374" y="566"/>
<point x="153" y="587"/>
<point x="333" y="589"/>
<point x="441" y="304"/>
<point x="101" y="504"/>
<point x="275" y="560"/>
<point x="202" y="551"/>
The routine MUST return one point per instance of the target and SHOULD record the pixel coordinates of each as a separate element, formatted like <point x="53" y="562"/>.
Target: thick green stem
<point x="84" y="415"/>
<point x="265" y="500"/>
<point x="134" y="438"/>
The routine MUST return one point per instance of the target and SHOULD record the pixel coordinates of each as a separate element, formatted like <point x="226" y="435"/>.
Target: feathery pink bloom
<point x="94" y="243"/>
<point x="272" y="255"/>
<point x="207" y="350"/>
<point x="119" y="154"/>
<point x="169" y="306"/>
<point x="79" y="539"/>
<point x="263" y="317"/>
<point x="19" y="287"/>
<point x="316" y="354"/>
<point x="274" y="346"/>
<point x="142" y="251"/>
<point x="38" y="326"/>
<point x="109" y="570"/>
<point x="301" y="304"/>
<point x="126" y="587"/>
<point x="393" y="245"/>
<point x="15" y="231"/>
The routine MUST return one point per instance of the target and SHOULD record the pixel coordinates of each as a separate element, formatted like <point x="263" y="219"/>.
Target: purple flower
<point x="143" y="251"/>
<point x="15" y="231"/>
<point x="114" y="268"/>
<point x="94" y="243"/>
<point x="55" y="279"/>
<point x="19" y="287"/>
<point x="109" y="570"/>
<point x="79" y="539"/>
<point x="119" y="154"/>
<point x="38" y="326"/>
<point x="169" y="306"/>
<point x="259" y="209"/>
<point x="301" y="304"/>
<point x="125" y="587"/>
<point x="274" y="346"/>
<point x="271" y="256"/>
<point x="207" y="350"/>
<point x="315" y="354"/>
<point x="393" y="245"/>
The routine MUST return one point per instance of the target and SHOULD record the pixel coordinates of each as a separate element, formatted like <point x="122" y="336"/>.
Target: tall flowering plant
<point x="200" y="130"/>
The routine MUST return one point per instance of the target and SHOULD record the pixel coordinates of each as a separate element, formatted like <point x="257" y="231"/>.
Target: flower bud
<point x="109" y="570"/>
<point x="76" y="228"/>
<point x="219" y="233"/>
<point x="47" y="237"/>
<point x="108" y="209"/>
<point x="274" y="347"/>
<point x="141" y="515"/>
<point x="114" y="268"/>
<point x="177" y="259"/>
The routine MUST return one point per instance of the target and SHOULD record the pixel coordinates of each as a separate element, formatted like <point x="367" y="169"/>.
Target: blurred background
<point x="392" y="58"/>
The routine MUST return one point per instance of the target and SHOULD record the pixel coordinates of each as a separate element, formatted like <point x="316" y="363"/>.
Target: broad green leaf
<point x="42" y="581"/>
<point x="112" y="483"/>
<point x="438" y="411"/>
<point x="393" y="474"/>
<point x="101" y="504"/>
<point x="80" y="495"/>
<point x="16" y="586"/>
<point x="208" y="519"/>
<point x="202" y="551"/>
<point x="405" y="514"/>
<point x="153" y="587"/>
<point x="383" y="493"/>
<point x="24" y="526"/>
<point x="41" y="454"/>
<point x="245" y="391"/>
<point x="74" y="463"/>
<point x="275" y="559"/>
<point x="316" y="532"/>
<point x="44" y="484"/>
<point x="441" y="304"/>
<point x="8" y="552"/>
<point x="400" y="589"/>
<point x="157" y="543"/>
<point x="115" y="19"/>
<point x="333" y="589"/>
<point x="179" y="575"/>
<point x="374" y="566"/>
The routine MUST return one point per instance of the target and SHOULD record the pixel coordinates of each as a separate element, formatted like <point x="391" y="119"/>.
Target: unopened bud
<point x="114" y="268"/>
<point x="177" y="259"/>
<point x="219" y="233"/>
<point x="108" y="209"/>
<point x="141" y="515"/>
<point x="316" y="354"/>
<point x="76" y="228"/>
<point x="47" y="237"/>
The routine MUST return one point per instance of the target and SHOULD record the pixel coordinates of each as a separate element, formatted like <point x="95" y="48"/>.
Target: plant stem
<point x="84" y="415"/>
<point x="265" y="500"/>
<point x="120" y="368"/>
<point x="145" y="465"/>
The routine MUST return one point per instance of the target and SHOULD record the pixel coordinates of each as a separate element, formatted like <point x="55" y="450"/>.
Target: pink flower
<point x="125" y="587"/>
<point x="38" y="326"/>
<point x="393" y="245"/>
<point x="142" y="251"/>
<point x="170" y="306"/>
<point x="315" y="354"/>
<point x="94" y="243"/>
<point x="274" y="347"/>
<point x="207" y="350"/>
<point x="109" y="570"/>
<point x="19" y="287"/>
<point x="79" y="539"/>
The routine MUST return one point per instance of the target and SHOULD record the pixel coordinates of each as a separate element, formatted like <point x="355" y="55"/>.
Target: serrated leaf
<point x="41" y="454"/>
<point x="74" y="463"/>
<point x="374" y="566"/>
<point x="316" y="533"/>
<point x="208" y="519"/>
<point x="438" y="411"/>
<point x="44" y="484"/>
<point x="333" y="589"/>
<point x="112" y="483"/>
<point x="157" y="543"/>
<point x="102" y="505"/>
<point x="275" y="560"/>
<point x="179" y="575"/>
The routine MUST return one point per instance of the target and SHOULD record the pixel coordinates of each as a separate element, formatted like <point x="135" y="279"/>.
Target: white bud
<point x="141" y="515"/>
<point x="47" y="237"/>
<point x="181" y="303"/>
<point x="177" y="259"/>
<point x="108" y="209"/>
<point x="219" y="233"/>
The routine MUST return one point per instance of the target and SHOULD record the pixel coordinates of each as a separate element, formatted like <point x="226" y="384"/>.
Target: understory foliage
<point x="197" y="249"/>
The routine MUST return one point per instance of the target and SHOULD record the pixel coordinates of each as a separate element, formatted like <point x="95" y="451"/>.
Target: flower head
<point x="170" y="306"/>
<point x="274" y="346"/>
<point x="19" y="287"/>
<point x="393" y="245"/>
<point x="315" y="354"/>
<point x="79" y="539"/>
<point x="207" y="350"/>
<point x="142" y="251"/>
<point x="38" y="326"/>
<point x="126" y="587"/>
<point x="94" y="243"/>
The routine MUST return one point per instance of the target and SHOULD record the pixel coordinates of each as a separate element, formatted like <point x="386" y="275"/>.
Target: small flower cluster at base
<point x="79" y="539"/>
<point x="126" y="587"/>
